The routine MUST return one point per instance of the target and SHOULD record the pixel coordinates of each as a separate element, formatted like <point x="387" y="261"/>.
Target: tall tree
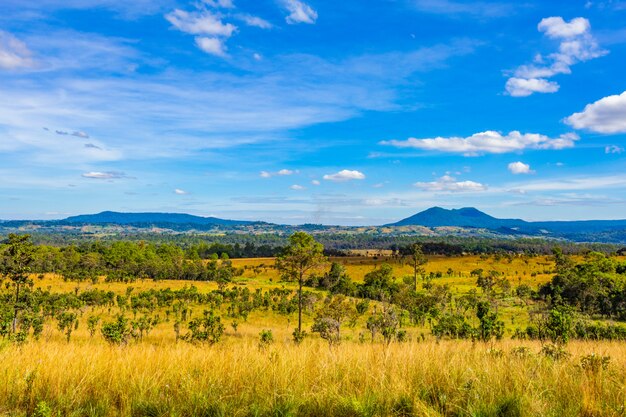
<point x="302" y="255"/>
<point x="418" y="260"/>
<point x="17" y="257"/>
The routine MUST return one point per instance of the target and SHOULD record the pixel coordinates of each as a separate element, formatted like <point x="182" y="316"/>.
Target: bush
<point x="266" y="338"/>
<point x="117" y="332"/>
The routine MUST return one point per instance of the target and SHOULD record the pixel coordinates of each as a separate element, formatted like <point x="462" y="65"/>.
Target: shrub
<point x="117" y="332"/>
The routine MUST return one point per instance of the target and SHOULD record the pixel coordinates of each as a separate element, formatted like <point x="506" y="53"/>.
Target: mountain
<point x="463" y="217"/>
<point x="112" y="217"/>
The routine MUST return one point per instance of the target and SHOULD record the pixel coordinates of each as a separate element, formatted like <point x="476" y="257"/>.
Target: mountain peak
<point x="463" y="217"/>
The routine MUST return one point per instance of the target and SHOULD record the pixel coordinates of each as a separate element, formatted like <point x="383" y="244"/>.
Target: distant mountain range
<point x="474" y="218"/>
<point x="467" y="221"/>
<point x="112" y="217"/>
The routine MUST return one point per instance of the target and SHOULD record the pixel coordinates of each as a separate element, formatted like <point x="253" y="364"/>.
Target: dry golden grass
<point x="160" y="377"/>
<point x="236" y="378"/>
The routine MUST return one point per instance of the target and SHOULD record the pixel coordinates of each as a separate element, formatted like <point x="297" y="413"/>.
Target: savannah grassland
<point x="159" y="376"/>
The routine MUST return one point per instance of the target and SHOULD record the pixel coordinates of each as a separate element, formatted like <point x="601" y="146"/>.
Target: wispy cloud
<point x="487" y="142"/>
<point x="613" y="149"/>
<point x="109" y="175"/>
<point x="178" y="191"/>
<point x="457" y="8"/>
<point x="254" y="21"/>
<point x="282" y="172"/>
<point x="14" y="54"/>
<point x="299" y="12"/>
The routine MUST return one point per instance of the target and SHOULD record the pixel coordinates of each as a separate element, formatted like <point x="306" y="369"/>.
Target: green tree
<point x="489" y="326"/>
<point x="16" y="264"/>
<point x="418" y="260"/>
<point x="301" y="255"/>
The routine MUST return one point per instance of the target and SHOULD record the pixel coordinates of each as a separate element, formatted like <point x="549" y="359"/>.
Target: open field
<point x="162" y="375"/>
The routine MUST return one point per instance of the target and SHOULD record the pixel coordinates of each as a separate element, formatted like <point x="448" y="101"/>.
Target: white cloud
<point x="576" y="45"/>
<point x="488" y="142"/>
<point x="14" y="53"/>
<point x="522" y="87"/>
<point x="199" y="23"/>
<point x="613" y="149"/>
<point x="519" y="168"/>
<point x="283" y="172"/>
<point x="257" y="57"/>
<point x="315" y="182"/>
<point x="254" y="21"/>
<point x="448" y="183"/>
<point x="556" y="27"/>
<point x="212" y="46"/>
<point x="297" y="187"/>
<point x="299" y="12"/>
<point x="607" y="115"/>
<point x="109" y="175"/>
<point x="178" y="191"/>
<point x="345" y="175"/>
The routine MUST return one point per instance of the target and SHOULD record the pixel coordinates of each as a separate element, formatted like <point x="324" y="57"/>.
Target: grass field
<point x="237" y="378"/>
<point x="160" y="376"/>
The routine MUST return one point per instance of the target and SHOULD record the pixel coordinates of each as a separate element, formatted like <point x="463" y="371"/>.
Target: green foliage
<point x="67" y="322"/>
<point x="490" y="327"/>
<point x="328" y="329"/>
<point x="117" y="332"/>
<point x="297" y="259"/>
<point x="266" y="338"/>
<point x="595" y="363"/>
<point x="208" y="328"/>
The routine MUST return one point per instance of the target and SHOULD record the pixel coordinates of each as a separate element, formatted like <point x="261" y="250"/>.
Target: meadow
<point x="244" y="373"/>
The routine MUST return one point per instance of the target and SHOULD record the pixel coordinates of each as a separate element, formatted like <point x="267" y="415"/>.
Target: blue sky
<point x="291" y="111"/>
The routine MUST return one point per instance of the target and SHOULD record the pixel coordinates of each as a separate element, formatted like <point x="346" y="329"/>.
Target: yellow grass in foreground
<point x="236" y="378"/>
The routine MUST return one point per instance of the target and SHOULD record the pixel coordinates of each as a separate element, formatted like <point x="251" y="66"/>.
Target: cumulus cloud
<point x="607" y="115"/>
<point x="345" y="175"/>
<point x="14" y="53"/>
<point x="108" y="175"/>
<point x="209" y="27"/>
<point x="448" y="183"/>
<point x="613" y="149"/>
<point x="299" y="12"/>
<point x="178" y="191"/>
<point x="519" y="168"/>
<point x="297" y="187"/>
<point x="556" y="27"/>
<point x="212" y="46"/>
<point x="576" y="45"/>
<point x="315" y="182"/>
<point x="487" y="142"/>
<point x="522" y="87"/>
